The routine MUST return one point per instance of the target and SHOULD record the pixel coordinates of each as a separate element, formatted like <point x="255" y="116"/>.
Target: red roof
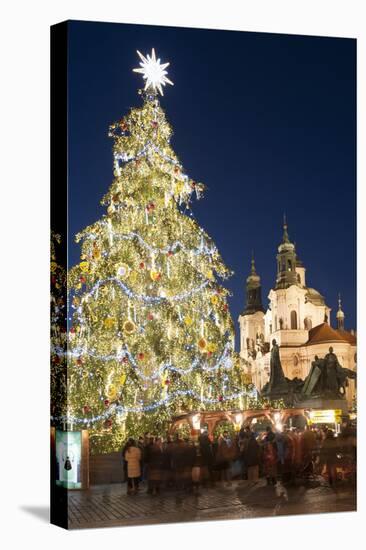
<point x="325" y="333"/>
<point x="351" y="338"/>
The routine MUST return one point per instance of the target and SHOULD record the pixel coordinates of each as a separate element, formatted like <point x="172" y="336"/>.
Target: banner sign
<point x="68" y="459"/>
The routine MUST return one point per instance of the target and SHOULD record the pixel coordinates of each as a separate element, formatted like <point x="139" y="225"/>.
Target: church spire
<point x="253" y="271"/>
<point x="253" y="291"/>
<point x="285" y="238"/>
<point x="340" y="315"/>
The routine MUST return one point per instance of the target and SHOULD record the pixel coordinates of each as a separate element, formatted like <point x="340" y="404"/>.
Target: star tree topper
<point x="153" y="72"/>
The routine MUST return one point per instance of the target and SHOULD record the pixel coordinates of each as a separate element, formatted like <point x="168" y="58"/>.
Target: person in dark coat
<point x="197" y="468"/>
<point x="154" y="460"/>
<point x="329" y="456"/>
<point x="178" y="462"/>
<point x="207" y="455"/>
<point x="189" y="454"/>
<point x="224" y="456"/>
<point x="270" y="457"/>
<point x="244" y="437"/>
<point x="141" y="446"/>
<point x="252" y="458"/>
<point x="168" y="473"/>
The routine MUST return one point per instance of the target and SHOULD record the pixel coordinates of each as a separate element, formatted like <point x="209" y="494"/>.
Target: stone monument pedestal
<point x="322" y="403"/>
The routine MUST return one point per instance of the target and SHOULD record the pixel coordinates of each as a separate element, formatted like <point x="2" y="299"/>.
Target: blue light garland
<point x="143" y="297"/>
<point x="202" y="248"/>
<point x="120" y="409"/>
<point x="223" y="362"/>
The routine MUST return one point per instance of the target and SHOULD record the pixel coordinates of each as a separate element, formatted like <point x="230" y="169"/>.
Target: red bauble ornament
<point x="221" y="398"/>
<point x="150" y="316"/>
<point x="86" y="409"/>
<point x="226" y="307"/>
<point x="140" y="356"/>
<point x="72" y="330"/>
<point x="79" y="361"/>
<point x="154" y="124"/>
<point x="170" y="253"/>
<point x="108" y="423"/>
<point x="209" y="353"/>
<point x="176" y="169"/>
<point x="193" y="184"/>
<point x="125" y="360"/>
<point x="106" y="402"/>
<point x="82" y="280"/>
<point x="142" y="265"/>
<point x="167" y="382"/>
<point x="150" y="206"/>
<point x="53" y="279"/>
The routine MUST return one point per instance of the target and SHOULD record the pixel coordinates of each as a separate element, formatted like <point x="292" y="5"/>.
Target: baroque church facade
<point x="298" y="319"/>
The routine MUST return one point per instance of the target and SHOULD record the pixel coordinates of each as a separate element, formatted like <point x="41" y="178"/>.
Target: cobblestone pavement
<point x="108" y="505"/>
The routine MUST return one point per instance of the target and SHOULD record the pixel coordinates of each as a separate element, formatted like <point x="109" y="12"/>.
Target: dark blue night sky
<point x="266" y="121"/>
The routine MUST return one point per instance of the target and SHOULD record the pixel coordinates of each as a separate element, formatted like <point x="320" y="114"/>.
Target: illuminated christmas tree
<point x="152" y="335"/>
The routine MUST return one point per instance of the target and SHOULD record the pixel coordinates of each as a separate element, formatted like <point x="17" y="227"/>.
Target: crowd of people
<point x="186" y="463"/>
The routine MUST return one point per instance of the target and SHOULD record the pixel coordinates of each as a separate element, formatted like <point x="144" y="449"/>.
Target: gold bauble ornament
<point x="133" y="277"/>
<point x="247" y="379"/>
<point x="188" y="321"/>
<point x="122" y="379"/>
<point x="111" y="209"/>
<point x="129" y="327"/>
<point x="84" y="266"/>
<point x="109" y="322"/>
<point x="53" y="267"/>
<point x="112" y="391"/>
<point x="212" y="347"/>
<point x="154" y="275"/>
<point x="96" y="253"/>
<point x="202" y="345"/>
<point x="214" y="299"/>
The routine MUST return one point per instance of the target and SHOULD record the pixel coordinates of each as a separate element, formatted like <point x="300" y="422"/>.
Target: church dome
<point x="340" y="313"/>
<point x="314" y="297"/>
<point x="253" y="278"/>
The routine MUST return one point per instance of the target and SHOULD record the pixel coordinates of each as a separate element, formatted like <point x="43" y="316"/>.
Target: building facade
<point x="297" y="317"/>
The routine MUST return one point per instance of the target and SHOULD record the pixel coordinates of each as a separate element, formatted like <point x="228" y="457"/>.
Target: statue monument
<point x="324" y="385"/>
<point x="278" y="387"/>
<point x="327" y="378"/>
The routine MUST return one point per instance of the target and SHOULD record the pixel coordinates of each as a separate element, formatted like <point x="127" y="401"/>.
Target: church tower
<point x="253" y="292"/>
<point x="252" y="319"/>
<point x="340" y="315"/>
<point x="286" y="262"/>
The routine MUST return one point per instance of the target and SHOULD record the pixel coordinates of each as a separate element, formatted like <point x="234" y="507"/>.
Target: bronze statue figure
<point x="327" y="378"/>
<point x="277" y="377"/>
